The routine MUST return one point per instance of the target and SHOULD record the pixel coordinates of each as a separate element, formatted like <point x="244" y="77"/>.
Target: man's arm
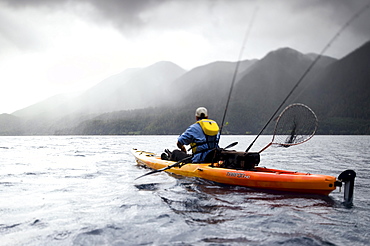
<point x="180" y="146"/>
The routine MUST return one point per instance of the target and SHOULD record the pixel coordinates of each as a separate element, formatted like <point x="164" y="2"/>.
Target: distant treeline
<point x="169" y="122"/>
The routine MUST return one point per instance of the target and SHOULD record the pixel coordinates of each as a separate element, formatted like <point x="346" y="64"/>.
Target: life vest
<point x="210" y="130"/>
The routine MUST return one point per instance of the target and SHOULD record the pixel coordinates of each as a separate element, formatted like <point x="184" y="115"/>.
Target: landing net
<point x="296" y="124"/>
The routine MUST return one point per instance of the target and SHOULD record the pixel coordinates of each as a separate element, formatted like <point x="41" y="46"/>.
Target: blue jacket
<point x="204" y="143"/>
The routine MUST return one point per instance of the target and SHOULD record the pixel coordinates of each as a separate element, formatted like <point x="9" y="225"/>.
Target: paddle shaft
<point x="166" y="168"/>
<point x="180" y="161"/>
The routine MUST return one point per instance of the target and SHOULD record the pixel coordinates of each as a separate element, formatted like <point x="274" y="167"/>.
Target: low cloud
<point x="122" y="14"/>
<point x="18" y="33"/>
<point x="129" y="15"/>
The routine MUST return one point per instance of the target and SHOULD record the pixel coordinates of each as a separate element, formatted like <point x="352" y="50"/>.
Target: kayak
<point x="258" y="177"/>
<point x="295" y="125"/>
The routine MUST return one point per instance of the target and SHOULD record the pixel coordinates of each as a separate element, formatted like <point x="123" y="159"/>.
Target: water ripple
<point x="73" y="190"/>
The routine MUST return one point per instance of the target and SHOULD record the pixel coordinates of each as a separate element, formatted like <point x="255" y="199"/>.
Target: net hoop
<point x="296" y="124"/>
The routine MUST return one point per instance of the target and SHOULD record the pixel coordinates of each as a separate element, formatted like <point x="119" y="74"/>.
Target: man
<point x="202" y="136"/>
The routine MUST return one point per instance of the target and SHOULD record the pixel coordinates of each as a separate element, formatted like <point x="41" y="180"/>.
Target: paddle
<point x="229" y="146"/>
<point x="295" y="125"/>
<point x="179" y="162"/>
<point x="165" y="168"/>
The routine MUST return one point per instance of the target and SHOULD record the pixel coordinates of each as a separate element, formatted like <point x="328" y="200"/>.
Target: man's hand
<point x="181" y="147"/>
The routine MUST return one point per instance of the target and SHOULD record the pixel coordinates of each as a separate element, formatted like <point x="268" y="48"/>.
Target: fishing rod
<point x="227" y="103"/>
<point x="237" y="68"/>
<point x="354" y="17"/>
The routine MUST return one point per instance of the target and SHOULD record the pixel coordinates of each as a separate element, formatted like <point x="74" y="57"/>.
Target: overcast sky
<point x="55" y="46"/>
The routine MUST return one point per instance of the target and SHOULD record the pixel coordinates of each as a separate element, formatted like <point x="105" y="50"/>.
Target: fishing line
<point x="309" y="69"/>
<point x="237" y="67"/>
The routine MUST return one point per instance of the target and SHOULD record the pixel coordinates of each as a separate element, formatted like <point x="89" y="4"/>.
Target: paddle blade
<point x="295" y="125"/>
<point x="231" y="145"/>
<point x="158" y="170"/>
<point x="154" y="171"/>
<point x="168" y="167"/>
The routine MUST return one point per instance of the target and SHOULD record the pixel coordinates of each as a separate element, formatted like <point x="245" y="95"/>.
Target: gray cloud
<point x="123" y="14"/>
<point x="338" y="12"/>
<point x="19" y="33"/>
<point x="129" y="13"/>
<point x="216" y="20"/>
<point x="126" y="14"/>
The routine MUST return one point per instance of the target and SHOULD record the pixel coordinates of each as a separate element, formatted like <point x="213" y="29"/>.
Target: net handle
<point x="265" y="147"/>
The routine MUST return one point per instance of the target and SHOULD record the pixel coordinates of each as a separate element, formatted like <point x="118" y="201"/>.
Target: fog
<point x="48" y="47"/>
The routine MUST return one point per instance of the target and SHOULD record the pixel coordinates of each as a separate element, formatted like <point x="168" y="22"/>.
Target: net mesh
<point x="296" y="124"/>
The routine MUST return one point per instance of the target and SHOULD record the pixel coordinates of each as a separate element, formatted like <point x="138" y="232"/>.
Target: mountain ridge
<point x="105" y="96"/>
<point x="164" y="96"/>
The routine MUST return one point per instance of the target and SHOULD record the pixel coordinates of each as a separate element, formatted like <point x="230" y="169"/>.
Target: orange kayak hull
<point x="262" y="178"/>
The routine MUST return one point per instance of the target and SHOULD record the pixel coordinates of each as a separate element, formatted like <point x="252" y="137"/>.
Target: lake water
<point x="80" y="190"/>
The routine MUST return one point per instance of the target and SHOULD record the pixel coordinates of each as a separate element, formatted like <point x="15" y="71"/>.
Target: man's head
<point x="201" y="113"/>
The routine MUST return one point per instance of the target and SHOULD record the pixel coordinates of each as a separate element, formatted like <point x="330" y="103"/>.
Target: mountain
<point x="259" y="88"/>
<point x="133" y="88"/>
<point x="208" y="84"/>
<point x="161" y="99"/>
<point x="341" y="94"/>
<point x="345" y="86"/>
<point x="10" y="125"/>
<point x="47" y="105"/>
<point x="261" y="85"/>
<point x="259" y="93"/>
